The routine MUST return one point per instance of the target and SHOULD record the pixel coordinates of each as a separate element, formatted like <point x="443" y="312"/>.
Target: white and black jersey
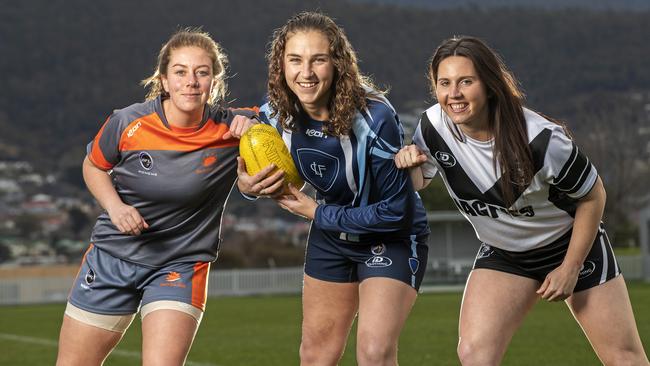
<point x="543" y="211"/>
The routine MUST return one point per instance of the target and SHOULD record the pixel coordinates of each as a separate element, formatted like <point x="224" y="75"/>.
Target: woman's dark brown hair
<point x="505" y="111"/>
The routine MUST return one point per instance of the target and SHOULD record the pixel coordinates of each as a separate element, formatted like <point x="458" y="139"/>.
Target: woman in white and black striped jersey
<point x="535" y="201"/>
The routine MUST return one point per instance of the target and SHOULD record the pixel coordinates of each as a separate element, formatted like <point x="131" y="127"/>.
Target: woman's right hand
<point x="261" y="184"/>
<point x="409" y="156"/>
<point x="127" y="219"/>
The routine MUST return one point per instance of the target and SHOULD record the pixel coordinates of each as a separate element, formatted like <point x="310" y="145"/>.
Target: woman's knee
<point x="320" y="348"/>
<point x="376" y="350"/>
<point x="471" y="352"/>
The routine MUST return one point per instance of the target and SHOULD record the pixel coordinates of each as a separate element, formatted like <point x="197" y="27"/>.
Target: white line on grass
<point x="51" y="343"/>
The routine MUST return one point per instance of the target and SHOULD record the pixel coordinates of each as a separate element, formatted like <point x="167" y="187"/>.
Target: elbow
<point x="399" y="216"/>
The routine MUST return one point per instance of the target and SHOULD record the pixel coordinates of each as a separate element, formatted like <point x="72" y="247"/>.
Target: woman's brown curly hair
<point x="350" y="88"/>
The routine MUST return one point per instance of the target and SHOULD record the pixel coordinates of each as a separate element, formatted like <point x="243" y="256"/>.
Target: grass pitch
<point x="265" y="331"/>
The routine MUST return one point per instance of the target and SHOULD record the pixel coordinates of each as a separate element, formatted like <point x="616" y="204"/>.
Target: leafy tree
<point x="436" y="198"/>
<point x="5" y="252"/>
<point x="29" y="226"/>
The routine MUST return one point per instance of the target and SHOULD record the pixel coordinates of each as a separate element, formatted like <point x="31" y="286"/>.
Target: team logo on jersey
<point x="315" y="133"/>
<point x="146" y="161"/>
<point x="588" y="268"/>
<point x="320" y="169"/>
<point x="378" y="261"/>
<point x="485" y="251"/>
<point x="414" y="264"/>
<point x="317" y="169"/>
<point x="445" y="159"/>
<point x="378" y="249"/>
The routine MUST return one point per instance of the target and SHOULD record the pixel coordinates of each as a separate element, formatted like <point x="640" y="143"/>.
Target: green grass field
<point x="265" y="331"/>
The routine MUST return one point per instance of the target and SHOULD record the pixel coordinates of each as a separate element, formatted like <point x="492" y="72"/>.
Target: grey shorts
<point x="112" y="286"/>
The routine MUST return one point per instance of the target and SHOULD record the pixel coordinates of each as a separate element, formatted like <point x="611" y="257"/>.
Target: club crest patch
<point x="414" y="264"/>
<point x="378" y="249"/>
<point x="146" y="161"/>
<point x="90" y="277"/>
<point x="485" y="251"/>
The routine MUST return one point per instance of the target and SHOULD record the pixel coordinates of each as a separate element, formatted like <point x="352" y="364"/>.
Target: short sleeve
<point x="571" y="170"/>
<point x="103" y="150"/>
<point x="429" y="168"/>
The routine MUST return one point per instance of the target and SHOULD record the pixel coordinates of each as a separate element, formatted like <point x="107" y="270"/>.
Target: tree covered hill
<point x="540" y="4"/>
<point x="67" y="64"/>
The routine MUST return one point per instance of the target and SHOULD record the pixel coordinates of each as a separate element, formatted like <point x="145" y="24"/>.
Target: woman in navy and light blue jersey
<point x="535" y="201"/>
<point x="162" y="170"/>
<point x="366" y="250"/>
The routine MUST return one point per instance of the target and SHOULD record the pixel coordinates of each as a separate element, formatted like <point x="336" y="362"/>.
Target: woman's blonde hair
<point x="350" y="88"/>
<point x="190" y="37"/>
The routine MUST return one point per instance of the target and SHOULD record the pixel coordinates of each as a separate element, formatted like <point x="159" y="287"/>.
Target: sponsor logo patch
<point x="133" y="129"/>
<point x="173" y="279"/>
<point x="378" y="261"/>
<point x="587" y="269"/>
<point x="445" y="159"/>
<point x="315" y="133"/>
<point x="209" y="161"/>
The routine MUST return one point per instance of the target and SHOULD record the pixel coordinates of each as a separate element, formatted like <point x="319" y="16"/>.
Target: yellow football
<point x="262" y="145"/>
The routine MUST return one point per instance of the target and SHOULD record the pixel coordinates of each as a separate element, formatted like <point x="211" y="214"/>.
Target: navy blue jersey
<point x="362" y="196"/>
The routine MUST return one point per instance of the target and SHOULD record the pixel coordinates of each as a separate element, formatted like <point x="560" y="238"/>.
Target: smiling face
<point x="188" y="80"/>
<point x="309" y="71"/>
<point x="463" y="96"/>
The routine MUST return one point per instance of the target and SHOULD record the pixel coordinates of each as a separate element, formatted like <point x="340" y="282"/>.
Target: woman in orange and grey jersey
<point x="162" y="170"/>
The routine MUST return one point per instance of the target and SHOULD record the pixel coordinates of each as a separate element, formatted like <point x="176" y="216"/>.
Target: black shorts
<point x="334" y="260"/>
<point x="599" y="266"/>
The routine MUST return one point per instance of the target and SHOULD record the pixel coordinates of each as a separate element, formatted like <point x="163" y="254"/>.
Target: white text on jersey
<point x="315" y="133"/>
<point x="480" y="208"/>
<point x="133" y="129"/>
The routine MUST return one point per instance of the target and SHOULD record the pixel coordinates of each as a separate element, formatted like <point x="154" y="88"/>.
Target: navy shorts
<point x="335" y="260"/>
<point x="599" y="267"/>
<point x="112" y="286"/>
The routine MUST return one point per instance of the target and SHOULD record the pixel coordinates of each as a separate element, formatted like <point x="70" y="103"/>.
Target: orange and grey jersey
<point x="177" y="179"/>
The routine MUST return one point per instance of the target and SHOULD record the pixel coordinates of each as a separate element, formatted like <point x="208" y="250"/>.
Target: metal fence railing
<point x="441" y="274"/>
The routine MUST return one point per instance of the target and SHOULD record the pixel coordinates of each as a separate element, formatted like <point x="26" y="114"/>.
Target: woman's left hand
<point x="559" y="284"/>
<point x="298" y="203"/>
<point x="238" y="127"/>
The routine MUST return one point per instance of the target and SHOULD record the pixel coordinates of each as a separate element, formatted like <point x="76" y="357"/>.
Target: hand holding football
<point x="262" y="145"/>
